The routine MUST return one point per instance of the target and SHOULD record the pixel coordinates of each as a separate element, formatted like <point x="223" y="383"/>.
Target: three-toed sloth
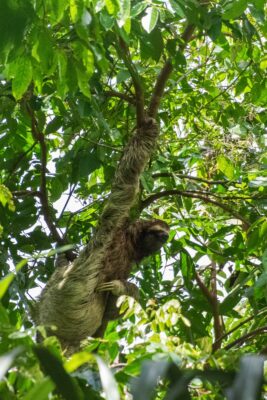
<point x="83" y="310"/>
<point x="80" y="297"/>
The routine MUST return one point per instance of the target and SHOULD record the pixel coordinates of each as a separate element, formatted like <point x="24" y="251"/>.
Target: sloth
<point x="80" y="297"/>
<point x="130" y="244"/>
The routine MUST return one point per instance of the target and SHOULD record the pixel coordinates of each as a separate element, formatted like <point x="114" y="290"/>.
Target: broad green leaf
<point x="138" y="8"/>
<point x="40" y="390"/>
<point x="56" y="9"/>
<point x="7" y="360"/>
<point x="106" y="20"/>
<point x="6" y="198"/>
<point x="249" y="380"/>
<point x="225" y="166"/>
<point x="109" y="384"/>
<point x="65" y="384"/>
<point x="5" y="283"/>
<point x="77" y="360"/>
<point x="43" y="51"/>
<point x="22" y="77"/>
<point x="233" y="8"/>
<point x="124" y="14"/>
<point x="83" y="81"/>
<point x="143" y="387"/>
<point x="112" y="6"/>
<point x="62" y="71"/>
<point x="7" y="280"/>
<point x="149" y="21"/>
<point x="177" y="8"/>
<point x="76" y="10"/>
<point x="264" y="260"/>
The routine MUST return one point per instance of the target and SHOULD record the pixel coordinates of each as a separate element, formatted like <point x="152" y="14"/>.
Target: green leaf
<point x="40" y="390"/>
<point x="43" y="51"/>
<point x="112" y="6"/>
<point x="62" y="71"/>
<point x="233" y="8"/>
<point x="138" y="8"/>
<point x="149" y="21"/>
<point x="264" y="260"/>
<point x="22" y="76"/>
<point x="249" y="380"/>
<point x="7" y="280"/>
<point x="109" y="384"/>
<point x="76" y="10"/>
<point x="144" y="386"/>
<point x="56" y="10"/>
<point x="65" y="384"/>
<point x="225" y="166"/>
<point x="178" y="8"/>
<point x="7" y="360"/>
<point x="83" y="81"/>
<point x="124" y="14"/>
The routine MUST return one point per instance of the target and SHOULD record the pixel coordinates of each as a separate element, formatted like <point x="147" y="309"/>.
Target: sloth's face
<point x="152" y="239"/>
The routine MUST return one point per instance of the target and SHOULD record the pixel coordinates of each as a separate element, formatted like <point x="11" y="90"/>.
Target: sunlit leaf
<point x="109" y="384"/>
<point x="40" y="390"/>
<point x="7" y="360"/>
<point x="233" y="8"/>
<point x="66" y="385"/>
<point x="225" y="166"/>
<point x="22" y="76"/>
<point x="149" y="21"/>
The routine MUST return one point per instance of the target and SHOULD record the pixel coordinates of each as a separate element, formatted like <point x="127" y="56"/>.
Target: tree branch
<point x="139" y="93"/>
<point x="149" y="200"/>
<point x="262" y="312"/>
<point x="190" y="177"/>
<point x="165" y="73"/>
<point x="40" y="138"/>
<point x="122" y="96"/>
<point x="211" y="296"/>
<point x="243" y="338"/>
<point x="218" y="320"/>
<point x="159" y="89"/>
<point x="23" y="193"/>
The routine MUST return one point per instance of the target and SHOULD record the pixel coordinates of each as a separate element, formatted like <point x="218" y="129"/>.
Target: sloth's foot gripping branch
<point x="119" y="288"/>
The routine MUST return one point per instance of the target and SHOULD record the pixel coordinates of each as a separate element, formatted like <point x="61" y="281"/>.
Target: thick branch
<point x="159" y="89"/>
<point x="164" y="75"/>
<point x="149" y="200"/>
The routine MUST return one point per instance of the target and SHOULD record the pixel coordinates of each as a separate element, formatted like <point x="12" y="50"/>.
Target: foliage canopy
<point x="73" y="76"/>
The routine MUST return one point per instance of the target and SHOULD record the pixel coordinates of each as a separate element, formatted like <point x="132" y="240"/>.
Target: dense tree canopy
<point x="76" y="77"/>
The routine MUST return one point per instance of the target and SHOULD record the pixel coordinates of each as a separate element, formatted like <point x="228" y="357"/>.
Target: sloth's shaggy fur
<point x="70" y="300"/>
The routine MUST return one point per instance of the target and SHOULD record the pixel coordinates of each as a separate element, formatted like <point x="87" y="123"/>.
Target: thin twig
<point x="174" y="192"/>
<point x="226" y="88"/>
<point x="262" y="312"/>
<point x="243" y="338"/>
<point x="139" y="93"/>
<point x="190" y="177"/>
<point x="23" y="193"/>
<point x="122" y="96"/>
<point x="40" y="138"/>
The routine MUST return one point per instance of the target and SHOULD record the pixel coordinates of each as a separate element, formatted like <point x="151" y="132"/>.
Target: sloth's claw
<point x="116" y="287"/>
